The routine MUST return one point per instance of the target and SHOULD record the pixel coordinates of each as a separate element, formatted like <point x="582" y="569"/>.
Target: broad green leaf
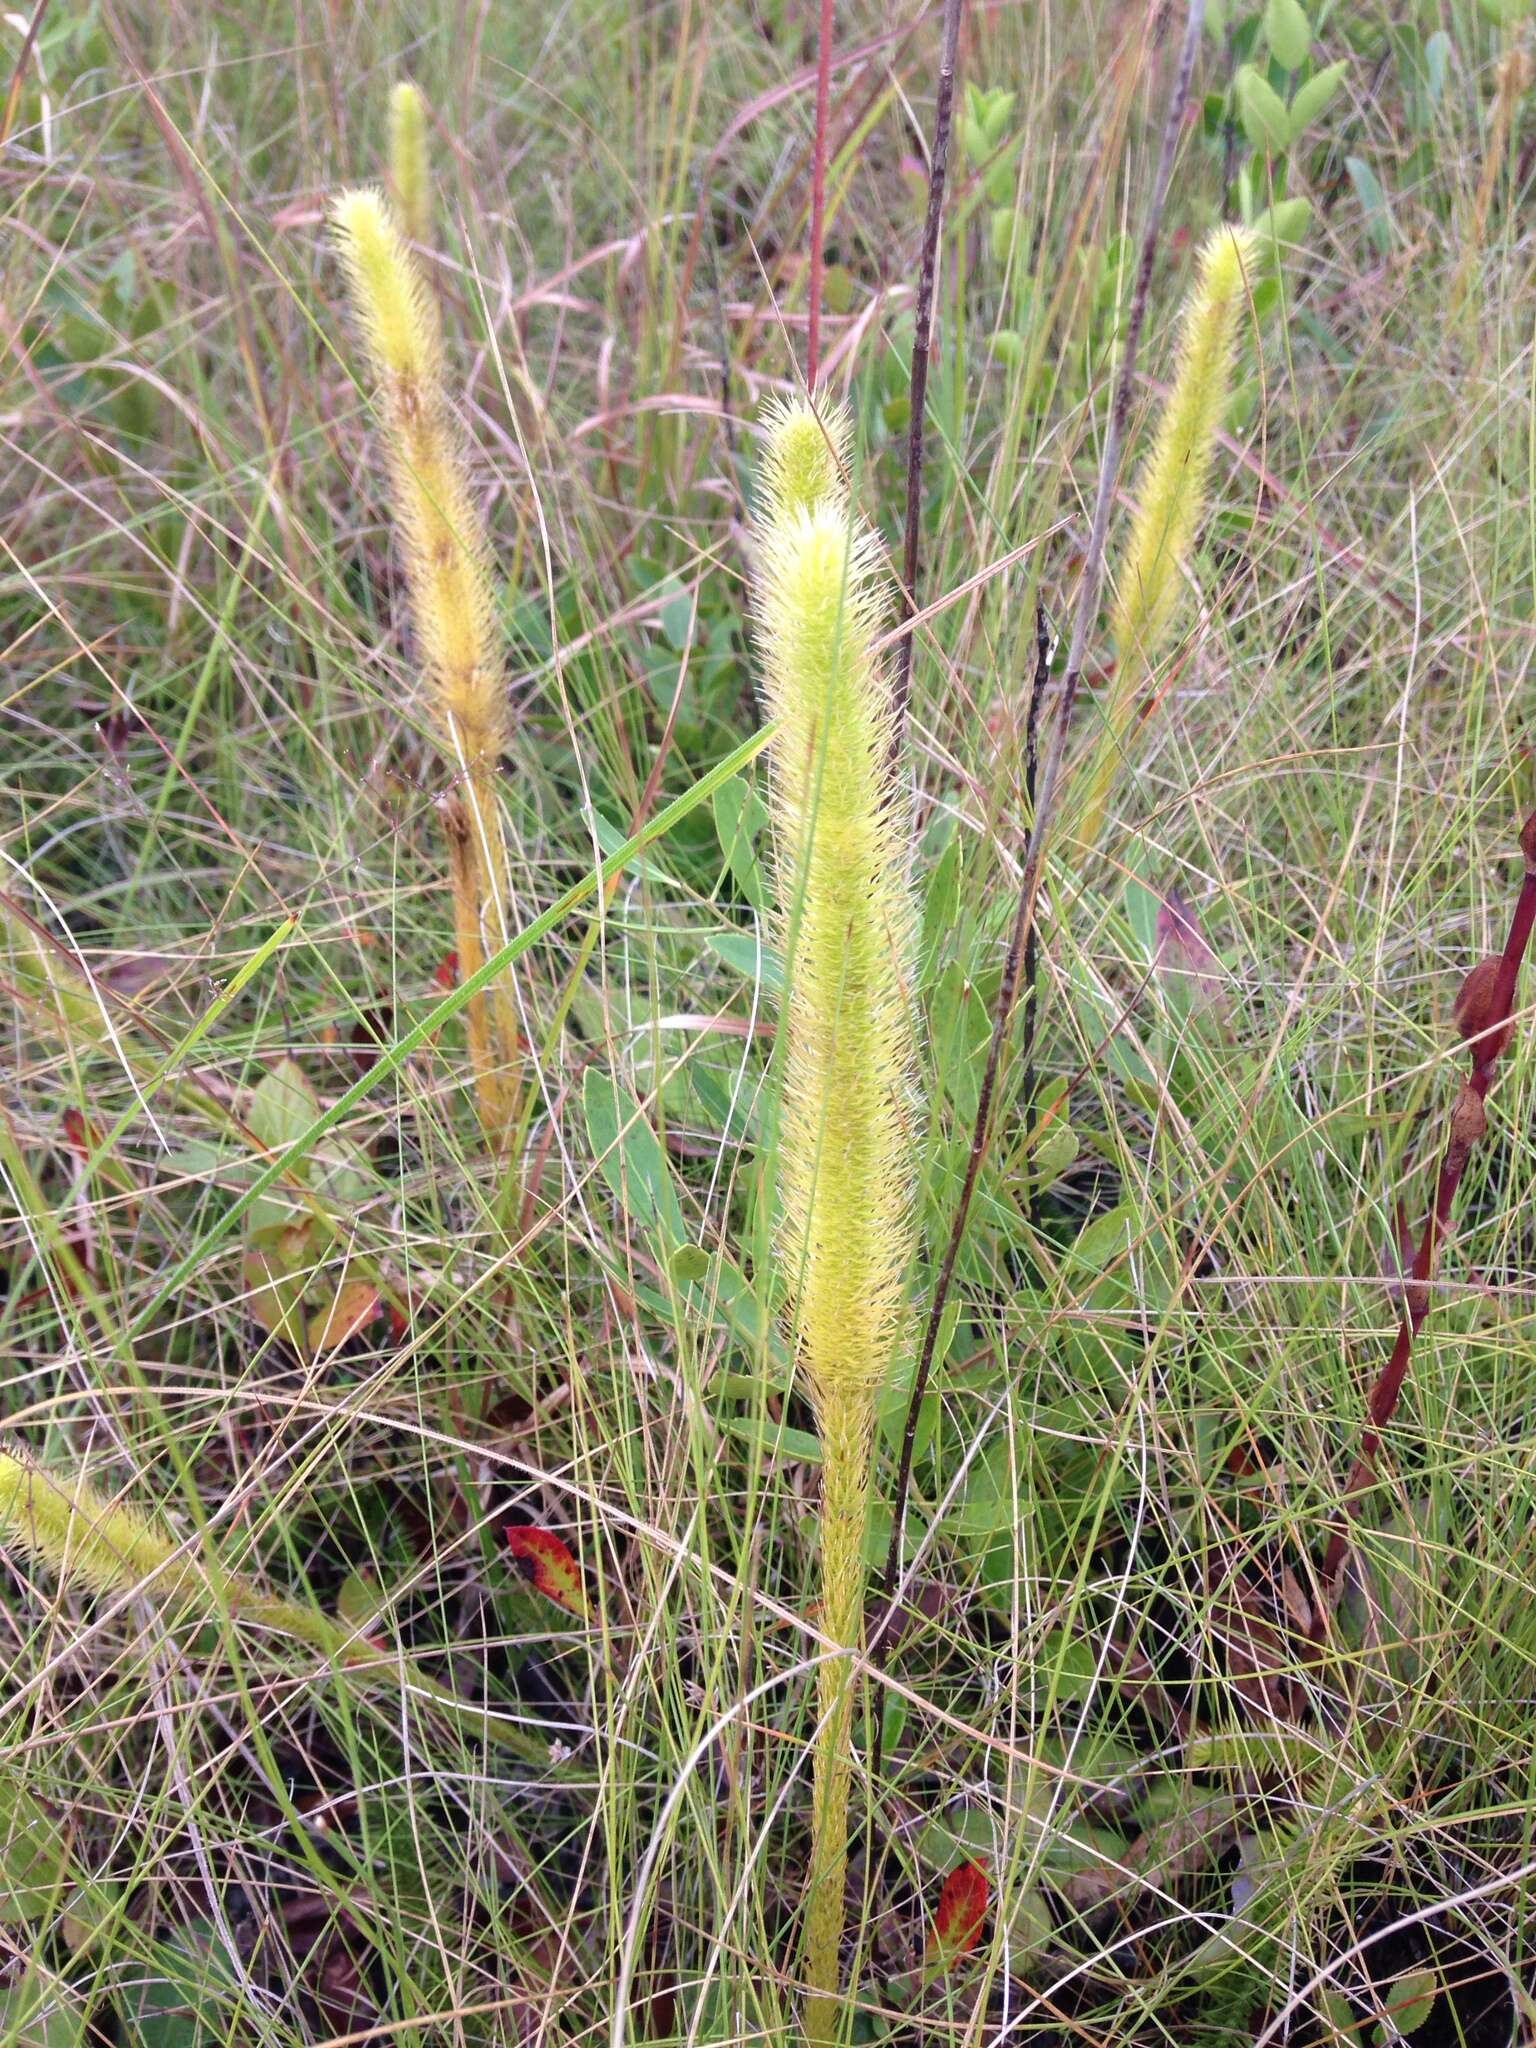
<point x="941" y="907"/>
<point x="774" y="1439"/>
<point x="1437" y="58"/>
<point x="36" y="2012"/>
<point x="1309" y="101"/>
<point x="1261" y="110"/>
<point x="34" y="1859"/>
<point x="183" y="2000"/>
<point x="1373" y="202"/>
<point x="959" y="1028"/>
<point x="1120" y="1274"/>
<point x="283" y="1107"/>
<point x="1284" y="223"/>
<point x="740" y="816"/>
<point x="630" y="1156"/>
<point x="1409" y="2003"/>
<point x="747" y="954"/>
<point x="960" y="1835"/>
<point x="1288" y="33"/>
<point x="689" y="1265"/>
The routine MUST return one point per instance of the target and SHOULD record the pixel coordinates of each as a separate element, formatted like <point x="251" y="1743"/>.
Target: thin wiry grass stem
<point x="922" y="340"/>
<point x="1037" y="689"/>
<point x="1029" y="882"/>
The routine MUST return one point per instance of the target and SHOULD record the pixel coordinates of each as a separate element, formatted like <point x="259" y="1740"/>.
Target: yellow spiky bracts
<point x="1170" y="492"/>
<point x="95" y="1543"/>
<point x="103" y="1546"/>
<point x="805" y="455"/>
<point x="409" y="172"/>
<point x="845" y="1132"/>
<point x="447" y="562"/>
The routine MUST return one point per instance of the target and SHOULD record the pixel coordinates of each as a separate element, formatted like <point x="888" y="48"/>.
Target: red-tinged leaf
<point x="548" y="1566"/>
<point x="957" y="1923"/>
<point x="446" y="975"/>
<point x="274" y="1296"/>
<point x="353" y="1308"/>
<point x="1186" y="965"/>
<point x="399" y="1324"/>
<point x="136" y="972"/>
<point x="79" y="1136"/>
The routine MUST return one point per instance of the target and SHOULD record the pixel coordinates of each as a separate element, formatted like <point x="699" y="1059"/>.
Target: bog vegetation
<point x="767" y="850"/>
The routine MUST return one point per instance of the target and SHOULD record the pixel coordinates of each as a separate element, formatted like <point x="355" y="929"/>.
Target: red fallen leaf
<point x="399" y="1324"/>
<point x="352" y="1308"/>
<point x="446" y="975"/>
<point x="548" y="1566"/>
<point x="134" y="973"/>
<point x="957" y="1923"/>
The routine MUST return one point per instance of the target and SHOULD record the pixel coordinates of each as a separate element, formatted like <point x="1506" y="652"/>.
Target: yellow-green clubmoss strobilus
<point x="846" y="1140"/>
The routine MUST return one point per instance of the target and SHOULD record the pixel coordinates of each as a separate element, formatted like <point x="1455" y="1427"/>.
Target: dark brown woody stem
<point x="1084" y="618"/>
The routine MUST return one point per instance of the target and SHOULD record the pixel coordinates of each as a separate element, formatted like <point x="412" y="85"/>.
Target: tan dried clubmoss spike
<point x="447" y="562"/>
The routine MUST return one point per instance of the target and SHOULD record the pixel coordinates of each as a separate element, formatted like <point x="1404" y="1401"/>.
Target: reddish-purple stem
<point x="1466" y="1127"/>
<point x="819" y="191"/>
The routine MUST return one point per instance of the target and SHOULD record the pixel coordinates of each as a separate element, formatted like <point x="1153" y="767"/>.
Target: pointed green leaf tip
<point x="805" y="454"/>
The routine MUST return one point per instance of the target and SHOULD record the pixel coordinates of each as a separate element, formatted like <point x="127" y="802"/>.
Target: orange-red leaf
<point x="446" y="974"/>
<point x="548" y="1566"/>
<point x="352" y="1308"/>
<point x="957" y="1923"/>
<point x="78" y="1134"/>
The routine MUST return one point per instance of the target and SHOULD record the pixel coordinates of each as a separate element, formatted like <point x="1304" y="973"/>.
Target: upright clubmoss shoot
<point x="845" y="1132"/>
<point x="805" y="455"/>
<point x="93" y="1542"/>
<point x="1170" y="493"/>
<point x="409" y="170"/>
<point x="447" y="562"/>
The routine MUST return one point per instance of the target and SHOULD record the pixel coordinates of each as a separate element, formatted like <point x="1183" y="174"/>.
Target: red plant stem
<point x="922" y="342"/>
<point x="1485" y="1051"/>
<point x="819" y="191"/>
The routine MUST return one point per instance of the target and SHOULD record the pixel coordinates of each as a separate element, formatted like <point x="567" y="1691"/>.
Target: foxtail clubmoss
<point x="447" y="561"/>
<point x="805" y="454"/>
<point x="97" y="1544"/>
<point x="845" y="1133"/>
<point x="1170" y="494"/>
<point x="409" y="172"/>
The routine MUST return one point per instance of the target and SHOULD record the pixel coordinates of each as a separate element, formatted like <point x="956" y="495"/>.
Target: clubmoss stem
<point x="845" y="1138"/>
<point x="447" y="561"/>
<point x="409" y="170"/>
<point x="99" y="1544"/>
<point x="1170" y="496"/>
